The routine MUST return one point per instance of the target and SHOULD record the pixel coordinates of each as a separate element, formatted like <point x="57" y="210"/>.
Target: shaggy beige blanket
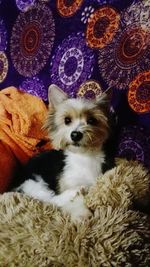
<point x="34" y="234"/>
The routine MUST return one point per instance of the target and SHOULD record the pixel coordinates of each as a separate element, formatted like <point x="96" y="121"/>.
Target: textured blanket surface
<point x="36" y="234"/>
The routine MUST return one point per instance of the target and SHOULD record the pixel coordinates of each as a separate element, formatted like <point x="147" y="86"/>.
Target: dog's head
<point x="76" y="124"/>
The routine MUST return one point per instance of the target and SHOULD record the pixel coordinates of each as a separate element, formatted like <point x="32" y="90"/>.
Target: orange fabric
<point x="8" y="164"/>
<point x="21" y="119"/>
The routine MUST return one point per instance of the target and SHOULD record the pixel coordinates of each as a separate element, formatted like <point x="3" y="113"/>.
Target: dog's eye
<point x="67" y="120"/>
<point x="91" y="121"/>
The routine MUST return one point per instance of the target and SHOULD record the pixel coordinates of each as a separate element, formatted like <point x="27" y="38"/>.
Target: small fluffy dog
<point x="78" y="129"/>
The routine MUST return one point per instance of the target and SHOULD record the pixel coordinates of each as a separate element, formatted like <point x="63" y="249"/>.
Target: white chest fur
<point x="81" y="169"/>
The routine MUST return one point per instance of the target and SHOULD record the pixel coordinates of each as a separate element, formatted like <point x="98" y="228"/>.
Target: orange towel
<point x="21" y="119"/>
<point x="8" y="165"/>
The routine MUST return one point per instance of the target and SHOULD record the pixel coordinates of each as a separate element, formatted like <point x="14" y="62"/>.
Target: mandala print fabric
<point x="85" y="47"/>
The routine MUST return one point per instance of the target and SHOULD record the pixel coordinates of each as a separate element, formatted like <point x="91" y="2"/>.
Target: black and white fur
<point x="78" y="129"/>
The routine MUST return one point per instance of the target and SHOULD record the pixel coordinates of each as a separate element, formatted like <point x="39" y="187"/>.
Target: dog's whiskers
<point x="88" y="134"/>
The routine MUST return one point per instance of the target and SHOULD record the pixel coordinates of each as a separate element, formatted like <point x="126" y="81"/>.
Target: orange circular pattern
<point x="139" y="93"/>
<point x="67" y="8"/>
<point x="102" y="27"/>
<point x="89" y="89"/>
<point x="3" y="66"/>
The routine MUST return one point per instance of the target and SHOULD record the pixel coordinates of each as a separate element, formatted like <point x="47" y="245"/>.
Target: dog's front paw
<point x="77" y="209"/>
<point x="81" y="214"/>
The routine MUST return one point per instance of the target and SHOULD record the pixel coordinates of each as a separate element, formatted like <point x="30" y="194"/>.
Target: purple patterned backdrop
<point x="84" y="46"/>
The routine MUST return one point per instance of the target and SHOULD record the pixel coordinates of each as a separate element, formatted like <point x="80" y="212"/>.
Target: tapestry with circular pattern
<point x="85" y="47"/>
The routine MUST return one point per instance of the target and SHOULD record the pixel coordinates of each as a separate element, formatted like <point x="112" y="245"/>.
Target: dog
<point x="78" y="129"/>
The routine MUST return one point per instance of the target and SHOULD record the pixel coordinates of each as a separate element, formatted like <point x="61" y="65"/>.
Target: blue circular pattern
<point x="72" y="63"/>
<point x="134" y="144"/>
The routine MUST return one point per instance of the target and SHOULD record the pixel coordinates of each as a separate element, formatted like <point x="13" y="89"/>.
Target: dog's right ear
<point x="56" y="95"/>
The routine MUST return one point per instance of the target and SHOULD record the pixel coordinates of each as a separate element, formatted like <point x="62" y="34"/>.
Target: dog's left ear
<point x="55" y="95"/>
<point x="103" y="101"/>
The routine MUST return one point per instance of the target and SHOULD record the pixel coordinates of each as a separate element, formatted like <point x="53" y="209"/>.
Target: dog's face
<point x="76" y="124"/>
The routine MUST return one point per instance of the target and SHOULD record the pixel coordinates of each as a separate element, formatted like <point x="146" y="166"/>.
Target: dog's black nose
<point x="76" y="136"/>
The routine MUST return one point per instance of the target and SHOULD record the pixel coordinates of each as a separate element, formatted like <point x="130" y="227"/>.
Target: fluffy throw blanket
<point x="34" y="234"/>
